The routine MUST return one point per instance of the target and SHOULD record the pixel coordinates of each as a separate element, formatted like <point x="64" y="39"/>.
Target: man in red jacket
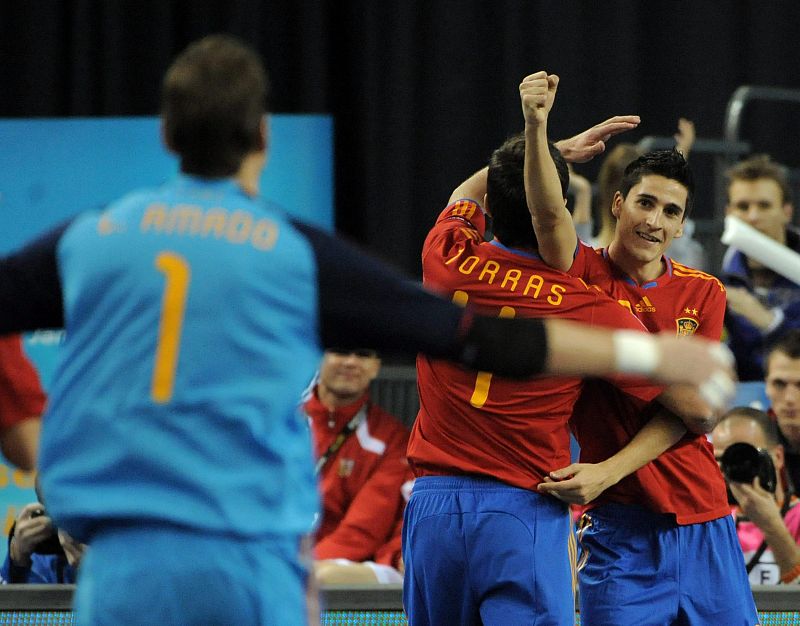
<point x="361" y="462"/>
<point x="21" y="404"/>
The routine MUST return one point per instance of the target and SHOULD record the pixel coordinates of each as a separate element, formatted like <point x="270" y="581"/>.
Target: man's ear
<point x="616" y="204"/>
<point x="679" y="232"/>
<point x="788" y="211"/>
<point x="373" y="368"/>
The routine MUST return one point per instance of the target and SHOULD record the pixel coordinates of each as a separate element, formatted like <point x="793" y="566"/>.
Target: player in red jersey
<point x="659" y="546"/>
<point x="480" y="545"/>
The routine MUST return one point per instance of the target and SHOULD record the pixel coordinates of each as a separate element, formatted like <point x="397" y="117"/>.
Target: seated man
<point x="767" y="524"/>
<point x="782" y="386"/>
<point x="38" y="552"/>
<point x="21" y="404"/>
<point x="361" y="462"/>
<point x="762" y="305"/>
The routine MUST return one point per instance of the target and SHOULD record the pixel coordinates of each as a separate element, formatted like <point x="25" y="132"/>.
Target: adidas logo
<point x="645" y="306"/>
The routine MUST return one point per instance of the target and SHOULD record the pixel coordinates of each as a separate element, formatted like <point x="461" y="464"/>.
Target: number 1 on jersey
<point x="176" y="287"/>
<point x="484" y="379"/>
<point x="481" y="392"/>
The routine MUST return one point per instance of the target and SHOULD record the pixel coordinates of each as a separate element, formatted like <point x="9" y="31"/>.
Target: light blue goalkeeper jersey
<point x="194" y="317"/>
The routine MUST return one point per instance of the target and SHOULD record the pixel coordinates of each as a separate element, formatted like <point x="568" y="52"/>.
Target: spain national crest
<point x="686" y="326"/>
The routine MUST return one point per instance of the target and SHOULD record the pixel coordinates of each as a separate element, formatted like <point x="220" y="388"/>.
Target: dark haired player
<point x="658" y="547"/>
<point x="480" y="545"/>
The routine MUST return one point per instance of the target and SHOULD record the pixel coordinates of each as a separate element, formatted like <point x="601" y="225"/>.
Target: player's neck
<point x="516" y="248"/>
<point x="639" y="271"/>
<point x="249" y="173"/>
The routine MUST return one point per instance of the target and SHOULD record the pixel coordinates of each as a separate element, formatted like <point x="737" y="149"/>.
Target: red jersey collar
<point x="658" y="282"/>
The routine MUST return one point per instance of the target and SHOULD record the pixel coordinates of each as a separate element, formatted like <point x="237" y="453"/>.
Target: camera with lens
<point x="742" y="463"/>
<point x="51" y="545"/>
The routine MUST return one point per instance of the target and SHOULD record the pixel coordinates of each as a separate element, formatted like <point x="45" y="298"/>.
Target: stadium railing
<point x="377" y="605"/>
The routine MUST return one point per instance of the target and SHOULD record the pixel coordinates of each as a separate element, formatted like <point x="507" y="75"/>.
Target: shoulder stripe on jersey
<point x="688" y="272"/>
<point x="466" y="208"/>
<point x="471" y="233"/>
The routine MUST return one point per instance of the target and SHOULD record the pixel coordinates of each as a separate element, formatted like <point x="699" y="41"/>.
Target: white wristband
<point x="635" y="352"/>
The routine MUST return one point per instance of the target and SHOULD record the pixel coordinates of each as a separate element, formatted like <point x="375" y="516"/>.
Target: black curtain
<point x="421" y="91"/>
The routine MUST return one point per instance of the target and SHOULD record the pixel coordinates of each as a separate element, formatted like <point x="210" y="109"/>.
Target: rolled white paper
<point x="758" y="246"/>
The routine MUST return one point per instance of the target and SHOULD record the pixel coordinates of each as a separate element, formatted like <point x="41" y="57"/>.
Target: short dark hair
<point x="212" y="102"/>
<point x="764" y="421"/>
<point x="788" y="343"/>
<point x="761" y="166"/>
<point x="505" y="188"/>
<point x="666" y="163"/>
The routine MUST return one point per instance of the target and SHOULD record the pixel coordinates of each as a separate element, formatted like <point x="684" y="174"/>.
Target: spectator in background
<point x="361" y="463"/>
<point x="762" y="305"/>
<point x="38" y="552"/>
<point x="767" y="524"/>
<point x="21" y="404"/>
<point x="782" y="386"/>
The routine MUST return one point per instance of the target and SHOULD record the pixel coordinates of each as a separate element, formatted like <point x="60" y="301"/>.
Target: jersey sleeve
<point x="712" y="328"/>
<point x="464" y="211"/>
<point x="30" y="289"/>
<point x="581" y="261"/>
<point x="362" y="302"/>
<point x="461" y="221"/>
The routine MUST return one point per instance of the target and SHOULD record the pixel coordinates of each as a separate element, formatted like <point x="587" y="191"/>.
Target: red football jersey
<point x="685" y="480"/>
<point x="473" y="422"/>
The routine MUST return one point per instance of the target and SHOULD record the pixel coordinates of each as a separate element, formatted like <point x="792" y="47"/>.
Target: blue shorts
<point x="168" y="576"/>
<point x="639" y="567"/>
<point x="477" y="551"/>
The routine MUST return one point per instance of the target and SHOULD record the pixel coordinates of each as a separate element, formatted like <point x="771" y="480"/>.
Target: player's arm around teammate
<point x="556" y="235"/>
